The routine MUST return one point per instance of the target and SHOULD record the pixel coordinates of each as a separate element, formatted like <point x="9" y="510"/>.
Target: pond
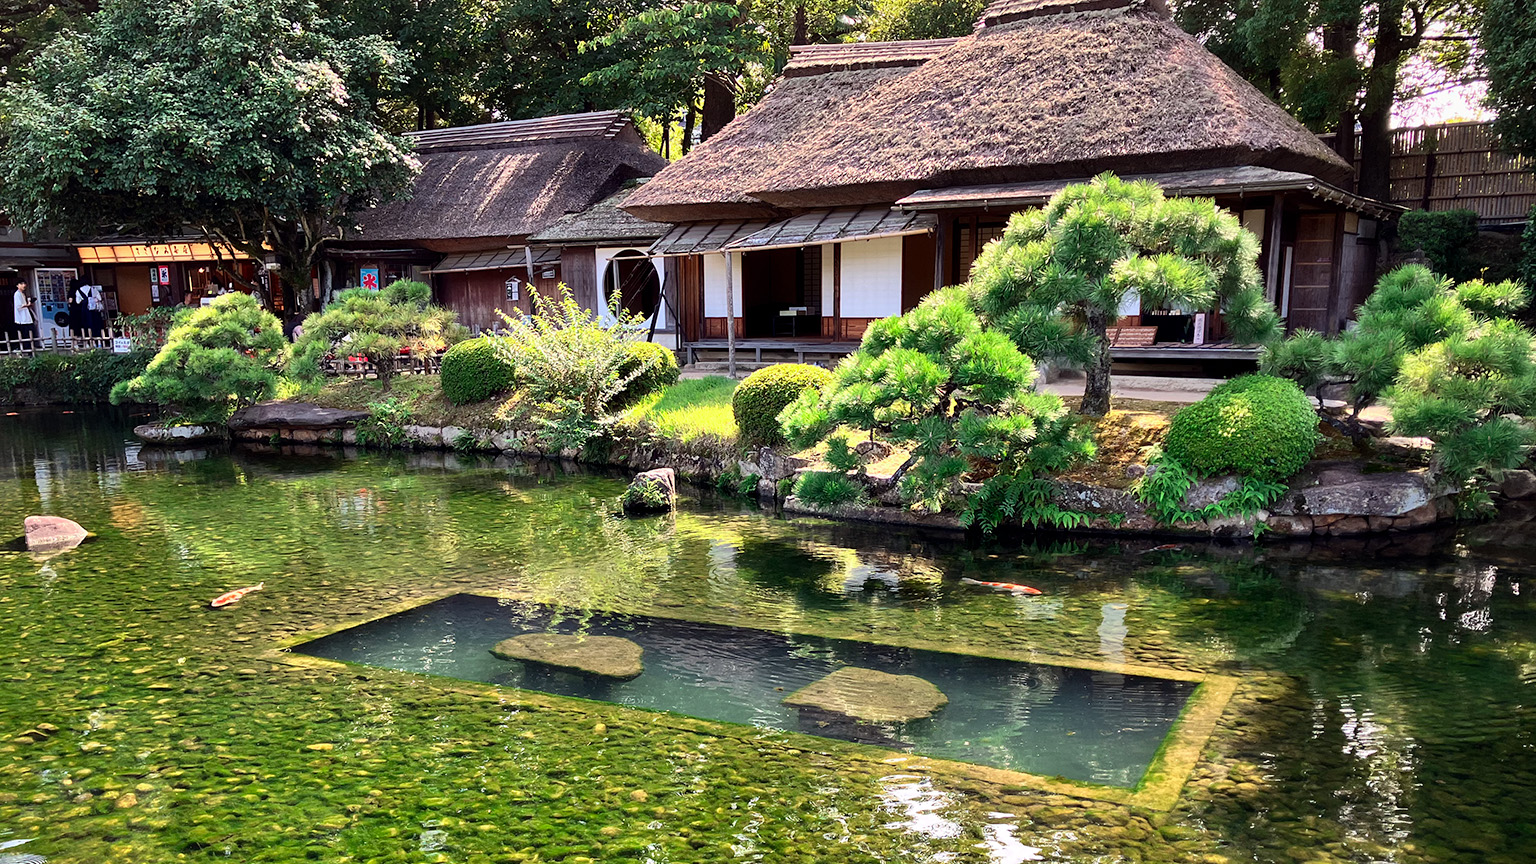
<point x="1382" y="707"/>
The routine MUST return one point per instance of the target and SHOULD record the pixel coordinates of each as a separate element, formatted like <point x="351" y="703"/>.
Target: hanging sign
<point x="122" y="345"/>
<point x="368" y="277"/>
<point x="165" y="275"/>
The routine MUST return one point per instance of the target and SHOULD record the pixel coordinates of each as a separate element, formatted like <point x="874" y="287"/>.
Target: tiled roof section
<point x="539" y="130"/>
<point x="817" y="59"/>
<point x="1008" y="11"/>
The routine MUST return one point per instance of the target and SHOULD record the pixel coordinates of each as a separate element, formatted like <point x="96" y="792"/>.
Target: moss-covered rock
<point x="871" y="696"/>
<point x="606" y="656"/>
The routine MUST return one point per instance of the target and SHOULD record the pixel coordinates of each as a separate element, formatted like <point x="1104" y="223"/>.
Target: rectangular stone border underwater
<point x="1158" y="789"/>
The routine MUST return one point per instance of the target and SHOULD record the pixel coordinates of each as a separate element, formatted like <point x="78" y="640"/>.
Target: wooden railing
<point x="12" y="345"/>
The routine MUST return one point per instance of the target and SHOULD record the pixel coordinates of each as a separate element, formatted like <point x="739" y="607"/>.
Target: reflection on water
<point x="1384" y="715"/>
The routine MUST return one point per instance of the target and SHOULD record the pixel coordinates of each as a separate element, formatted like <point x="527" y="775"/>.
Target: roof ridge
<point x="1008" y="11"/>
<point x="532" y="130"/>
<point x="847" y="56"/>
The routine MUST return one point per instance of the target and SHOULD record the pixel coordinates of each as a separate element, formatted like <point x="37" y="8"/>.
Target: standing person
<point x="88" y="299"/>
<point x="24" y="311"/>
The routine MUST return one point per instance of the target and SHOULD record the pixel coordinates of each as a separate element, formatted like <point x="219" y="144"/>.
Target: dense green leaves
<point x="757" y="402"/>
<point x="1258" y="426"/>
<point x="215" y="360"/>
<point x="1056" y="279"/>
<point x="472" y="371"/>
<point x="1508" y="42"/>
<point x="378" y="325"/>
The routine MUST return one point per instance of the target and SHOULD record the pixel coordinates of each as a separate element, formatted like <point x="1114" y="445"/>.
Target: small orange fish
<point x="234" y="596"/>
<point x="1003" y="586"/>
<point x="1166" y="547"/>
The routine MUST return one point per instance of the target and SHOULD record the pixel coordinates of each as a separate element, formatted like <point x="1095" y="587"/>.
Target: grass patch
<point x="423" y="394"/>
<point x="691" y="409"/>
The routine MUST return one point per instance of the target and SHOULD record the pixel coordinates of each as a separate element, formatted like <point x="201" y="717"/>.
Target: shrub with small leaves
<point x="828" y="489"/>
<point x="385" y="424"/>
<point x="763" y="396"/>
<point x="1444" y="236"/>
<point x="379" y="325"/>
<point x="1258" y="426"/>
<point x="654" y="368"/>
<point x="473" y="371"/>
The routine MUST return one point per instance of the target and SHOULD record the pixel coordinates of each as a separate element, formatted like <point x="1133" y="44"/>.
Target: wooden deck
<point x="756" y="347"/>
<point x="1184" y="351"/>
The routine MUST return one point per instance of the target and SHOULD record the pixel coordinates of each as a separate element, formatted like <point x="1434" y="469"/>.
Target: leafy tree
<point x="1334" y="63"/>
<point x="216" y="359"/>
<point x="27" y="25"/>
<point x="957" y="394"/>
<point x="1508" y="42"/>
<point x="896" y="20"/>
<point x="379" y="325"/>
<point x="1056" y="279"/>
<point x="243" y="118"/>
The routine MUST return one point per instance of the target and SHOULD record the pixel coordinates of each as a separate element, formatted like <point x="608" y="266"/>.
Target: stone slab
<point x="604" y="656"/>
<point x="294" y="415"/>
<point x="871" y="696"/>
<point x="53" y="534"/>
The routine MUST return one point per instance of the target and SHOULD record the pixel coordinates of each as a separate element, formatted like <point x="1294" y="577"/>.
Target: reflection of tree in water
<point x="1238" y="601"/>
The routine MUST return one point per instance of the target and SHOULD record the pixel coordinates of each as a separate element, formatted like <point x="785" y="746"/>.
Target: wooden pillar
<point x="837" y="292"/>
<point x="1276" y="256"/>
<point x="1336" y="274"/>
<point x="730" y="319"/>
<point x="941" y="250"/>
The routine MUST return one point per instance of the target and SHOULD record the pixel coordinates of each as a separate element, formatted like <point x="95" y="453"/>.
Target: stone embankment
<point x="1328" y="499"/>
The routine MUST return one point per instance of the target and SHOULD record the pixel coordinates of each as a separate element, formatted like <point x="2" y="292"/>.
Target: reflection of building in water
<point x="1112" y="631"/>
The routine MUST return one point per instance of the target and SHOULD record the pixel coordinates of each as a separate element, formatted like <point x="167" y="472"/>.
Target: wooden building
<point x="873" y="173"/>
<point x="482" y="193"/>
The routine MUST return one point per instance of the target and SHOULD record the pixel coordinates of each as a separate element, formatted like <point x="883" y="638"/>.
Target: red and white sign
<point x="165" y="275"/>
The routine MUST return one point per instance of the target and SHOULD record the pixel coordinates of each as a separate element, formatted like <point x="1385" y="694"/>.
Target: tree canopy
<point x="1508" y="42"/>
<point x="247" y="119"/>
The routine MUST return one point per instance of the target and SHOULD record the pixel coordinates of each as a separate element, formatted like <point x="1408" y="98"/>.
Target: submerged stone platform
<point x="871" y="696"/>
<point x="605" y="656"/>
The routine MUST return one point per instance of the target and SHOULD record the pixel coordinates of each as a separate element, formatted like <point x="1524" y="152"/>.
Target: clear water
<point x="1385" y="711"/>
<point x="1099" y="727"/>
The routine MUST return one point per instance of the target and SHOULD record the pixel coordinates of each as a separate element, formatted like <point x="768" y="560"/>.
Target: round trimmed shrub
<point x="473" y="372"/>
<point x="662" y="374"/>
<point x="1258" y="426"/>
<point x="765" y="393"/>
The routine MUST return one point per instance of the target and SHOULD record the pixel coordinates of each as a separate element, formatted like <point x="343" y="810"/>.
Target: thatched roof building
<point x="511" y="179"/>
<point x="1045" y="89"/>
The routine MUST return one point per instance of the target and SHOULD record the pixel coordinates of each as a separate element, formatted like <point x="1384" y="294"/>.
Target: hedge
<point x="69" y="378"/>
<point x="662" y="373"/>
<point x="1257" y="426"/>
<point x="760" y="399"/>
<point x="472" y="371"/>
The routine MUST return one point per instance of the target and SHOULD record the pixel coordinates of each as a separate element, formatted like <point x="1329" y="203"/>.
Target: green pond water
<point x="1385" y="710"/>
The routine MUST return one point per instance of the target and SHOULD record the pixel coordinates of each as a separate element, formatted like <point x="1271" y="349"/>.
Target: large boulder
<point x="154" y="433"/>
<point x="870" y="696"/>
<point x="604" y="656"/>
<point x="653" y="491"/>
<point x="1343" y="489"/>
<point x="294" y="415"/>
<point x="53" y="534"/>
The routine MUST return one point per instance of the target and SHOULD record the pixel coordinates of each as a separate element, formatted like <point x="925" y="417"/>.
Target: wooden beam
<point x="1336" y="274"/>
<point x="1274" y="219"/>
<point x="837" y="290"/>
<point x="730" y="319"/>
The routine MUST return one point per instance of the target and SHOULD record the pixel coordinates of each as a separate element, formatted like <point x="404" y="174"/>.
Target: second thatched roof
<point x="1042" y="90"/>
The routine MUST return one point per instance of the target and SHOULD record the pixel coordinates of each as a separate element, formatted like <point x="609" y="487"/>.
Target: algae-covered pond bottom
<point x="1382" y="709"/>
<point x="1082" y="724"/>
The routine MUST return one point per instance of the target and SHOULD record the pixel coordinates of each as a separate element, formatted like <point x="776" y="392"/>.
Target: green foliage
<point x="378" y="325"/>
<point x="828" y="489"/>
<point x="899" y="20"/>
<point x="1055" y="280"/>
<point x="765" y="394"/>
<point x="215" y="360"/>
<point x="472" y="371"/>
<point x="654" y="368"/>
<point x="384" y="427"/>
<point x="952" y="392"/>
<point x="1508" y="43"/>
<point x="248" y="119"/>
<point x="690" y="410"/>
<point x="1258" y="426"/>
<point x="645" y="496"/>
<point x="1444" y="236"/>
<point x="69" y="378"/>
<point x="1168" y="481"/>
<point x="732" y="482"/>
<point x="1528" y="249"/>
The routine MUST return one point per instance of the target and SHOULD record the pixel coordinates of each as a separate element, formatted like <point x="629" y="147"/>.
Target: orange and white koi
<point x="1166" y="547"/>
<point x="1003" y="586"/>
<point x="234" y="596"/>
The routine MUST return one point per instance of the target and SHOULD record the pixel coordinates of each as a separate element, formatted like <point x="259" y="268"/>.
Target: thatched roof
<point x="511" y="179"/>
<point x="1041" y="91"/>
<point x="602" y="224"/>
<point x="818" y="84"/>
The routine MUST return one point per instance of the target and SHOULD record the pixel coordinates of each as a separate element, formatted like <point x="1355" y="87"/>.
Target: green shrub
<point x="654" y="368"/>
<point x="473" y="371"/>
<point x="378" y="325"/>
<point x="765" y="394"/>
<point x="1445" y="236"/>
<point x="1257" y="426"/>
<point x="215" y="360"/>
<point x="385" y="424"/>
<point x="74" y="379"/>
<point x="1528" y="250"/>
<point x="828" y="488"/>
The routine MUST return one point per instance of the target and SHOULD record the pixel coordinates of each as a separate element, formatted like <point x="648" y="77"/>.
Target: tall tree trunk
<point x="689" y="121"/>
<point x="1380" y="96"/>
<point x="802" y="27"/>
<point x="1096" y="384"/>
<point x="719" y="106"/>
<point x="1341" y="36"/>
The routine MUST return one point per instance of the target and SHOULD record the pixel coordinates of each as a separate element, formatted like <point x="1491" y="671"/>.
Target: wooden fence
<point x="12" y="345"/>
<point x="1459" y="166"/>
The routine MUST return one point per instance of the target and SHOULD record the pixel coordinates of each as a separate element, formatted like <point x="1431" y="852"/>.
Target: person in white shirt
<point x="23" y="312"/>
<point x="88" y="301"/>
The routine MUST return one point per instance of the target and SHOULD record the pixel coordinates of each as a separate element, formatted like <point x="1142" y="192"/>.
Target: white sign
<point x="122" y="345"/>
<point x="1200" y="328"/>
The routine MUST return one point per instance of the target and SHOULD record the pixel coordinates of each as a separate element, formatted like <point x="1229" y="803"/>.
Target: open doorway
<point x="632" y="278"/>
<point x="781" y="293"/>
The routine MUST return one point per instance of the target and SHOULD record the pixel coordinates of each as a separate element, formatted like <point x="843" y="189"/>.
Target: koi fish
<point x="234" y="596"/>
<point x="1166" y="547"/>
<point x="1003" y="586"/>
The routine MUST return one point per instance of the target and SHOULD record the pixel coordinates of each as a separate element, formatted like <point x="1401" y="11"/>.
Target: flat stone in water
<point x="53" y="534"/>
<point x="871" y="696"/>
<point x="608" y="656"/>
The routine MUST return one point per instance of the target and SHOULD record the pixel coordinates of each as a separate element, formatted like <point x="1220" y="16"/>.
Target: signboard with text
<point x="122" y="345"/>
<point x="368" y="277"/>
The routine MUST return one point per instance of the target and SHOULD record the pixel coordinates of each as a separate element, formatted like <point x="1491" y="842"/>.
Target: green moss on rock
<point x="871" y="696"/>
<point x="607" y="656"/>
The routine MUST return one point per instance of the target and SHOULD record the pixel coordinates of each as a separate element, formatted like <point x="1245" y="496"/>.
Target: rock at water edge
<point x="871" y="696"/>
<point x="53" y="534"/>
<point x="606" y="656"/>
<point x="653" y="491"/>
